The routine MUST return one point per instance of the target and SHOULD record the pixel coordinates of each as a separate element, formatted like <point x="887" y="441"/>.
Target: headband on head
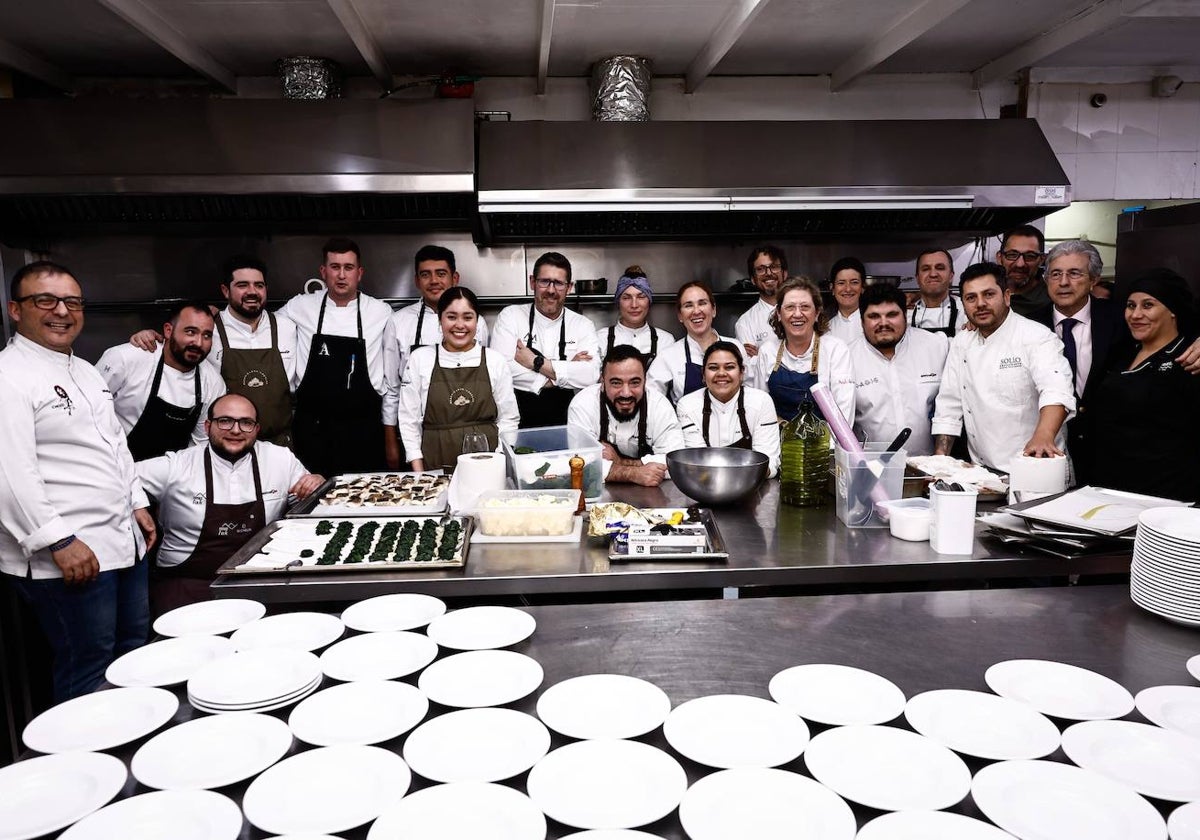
<point x="639" y="283"/>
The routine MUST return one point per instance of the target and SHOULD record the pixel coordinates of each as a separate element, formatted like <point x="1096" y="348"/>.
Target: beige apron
<point x="460" y="400"/>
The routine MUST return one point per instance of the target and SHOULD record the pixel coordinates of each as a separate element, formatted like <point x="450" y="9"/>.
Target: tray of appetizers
<point x="376" y="494"/>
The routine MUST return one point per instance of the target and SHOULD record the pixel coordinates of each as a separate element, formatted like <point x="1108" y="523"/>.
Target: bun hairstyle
<point x="794" y="283"/>
<point x="634" y="271"/>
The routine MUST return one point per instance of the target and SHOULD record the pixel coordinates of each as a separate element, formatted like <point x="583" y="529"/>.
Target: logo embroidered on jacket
<point x="324" y="351"/>
<point x="65" y="399"/>
<point x="256" y="379"/>
<point x="460" y="397"/>
<point x="1010" y="362"/>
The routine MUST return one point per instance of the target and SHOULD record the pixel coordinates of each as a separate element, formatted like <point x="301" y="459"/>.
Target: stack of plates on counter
<point x="1164" y="577"/>
<point x="255" y="681"/>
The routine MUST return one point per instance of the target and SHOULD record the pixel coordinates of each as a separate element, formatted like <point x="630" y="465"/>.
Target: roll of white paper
<point x="1031" y="477"/>
<point x="476" y="473"/>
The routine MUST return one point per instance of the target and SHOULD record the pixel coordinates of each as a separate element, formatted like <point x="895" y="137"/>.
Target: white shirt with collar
<point x="898" y="393"/>
<point x="725" y="428"/>
<point x="662" y="426"/>
<point x="754" y="326"/>
<point x="66" y="468"/>
<point x="668" y="373"/>
<point x="256" y="336"/>
<point x="639" y="338"/>
<point x="129" y="372"/>
<point x="833" y="368"/>
<point x="937" y="317"/>
<point x="512" y="325"/>
<point x="176" y="482"/>
<point x="1083" y="341"/>
<point x="405" y="321"/>
<point x="995" y="387"/>
<point x="848" y="329"/>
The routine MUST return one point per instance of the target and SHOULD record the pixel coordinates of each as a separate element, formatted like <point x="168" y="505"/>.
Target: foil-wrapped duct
<point x="305" y="77"/>
<point x="621" y="89"/>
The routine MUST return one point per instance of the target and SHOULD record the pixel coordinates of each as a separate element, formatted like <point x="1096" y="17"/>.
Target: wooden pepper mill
<point x="576" y="464"/>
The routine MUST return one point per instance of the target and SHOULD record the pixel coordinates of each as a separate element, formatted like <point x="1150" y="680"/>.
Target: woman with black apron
<point x="678" y="370"/>
<point x="634" y="298"/>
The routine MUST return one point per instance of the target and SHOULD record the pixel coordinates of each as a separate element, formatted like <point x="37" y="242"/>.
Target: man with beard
<point x="936" y="309"/>
<point x="161" y="398"/>
<point x="767" y="267"/>
<point x="897" y="372"/>
<point x="1022" y="252"/>
<point x="635" y="427"/>
<point x="213" y="498"/>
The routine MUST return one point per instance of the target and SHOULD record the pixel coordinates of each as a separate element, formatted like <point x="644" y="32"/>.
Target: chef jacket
<point x="639" y="338"/>
<point x="833" y="368"/>
<point x="176" y="482"/>
<point x="512" y="324"/>
<point x="669" y="370"/>
<point x="995" y="387"/>
<point x="65" y="468"/>
<point x="754" y="326"/>
<point x="414" y="390"/>
<point x="662" y="426"/>
<point x="849" y="329"/>
<point x="724" y="427"/>
<point x="937" y="317"/>
<point x="129" y="372"/>
<point x="898" y="393"/>
<point x="243" y="336"/>
<point x="404" y="322"/>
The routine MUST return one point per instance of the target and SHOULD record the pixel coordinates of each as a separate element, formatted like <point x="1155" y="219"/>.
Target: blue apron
<point x="791" y="389"/>
<point x="693" y="372"/>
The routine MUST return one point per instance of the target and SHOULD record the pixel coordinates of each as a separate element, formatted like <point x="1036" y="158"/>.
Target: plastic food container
<point x="527" y="513"/>
<point x="908" y="519"/>
<point x="543" y="461"/>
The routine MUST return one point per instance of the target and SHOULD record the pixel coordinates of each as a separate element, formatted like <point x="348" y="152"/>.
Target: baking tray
<point x="311" y="508"/>
<point x="715" y="550"/>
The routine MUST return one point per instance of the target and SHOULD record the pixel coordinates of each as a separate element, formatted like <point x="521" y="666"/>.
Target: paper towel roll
<point x="476" y="473"/>
<point x="1031" y="477"/>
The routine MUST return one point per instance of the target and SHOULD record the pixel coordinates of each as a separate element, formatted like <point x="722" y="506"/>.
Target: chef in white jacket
<point x="847" y="279"/>
<point x="633" y="299"/>
<point x="767" y="268"/>
<point x="73" y="518"/>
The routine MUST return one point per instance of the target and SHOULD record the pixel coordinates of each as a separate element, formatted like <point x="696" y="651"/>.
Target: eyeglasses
<point x="1070" y="274"/>
<point x="764" y="270"/>
<point x="244" y="424"/>
<point x="1013" y="256"/>
<point x="51" y="302"/>
<point x="548" y="283"/>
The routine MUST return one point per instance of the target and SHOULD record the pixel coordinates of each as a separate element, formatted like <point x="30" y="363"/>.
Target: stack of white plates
<point x="1165" y="575"/>
<point x="255" y="681"/>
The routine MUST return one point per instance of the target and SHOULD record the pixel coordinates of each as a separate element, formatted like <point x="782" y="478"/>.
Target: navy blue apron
<point x="791" y="389"/>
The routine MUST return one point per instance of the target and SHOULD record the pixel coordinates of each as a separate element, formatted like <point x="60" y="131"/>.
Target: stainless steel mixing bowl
<point x="717" y="475"/>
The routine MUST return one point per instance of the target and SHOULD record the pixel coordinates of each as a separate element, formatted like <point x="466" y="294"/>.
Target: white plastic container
<point x="908" y="519"/>
<point x="527" y="513"/>
<point x="952" y="528"/>
<point x="547" y="464"/>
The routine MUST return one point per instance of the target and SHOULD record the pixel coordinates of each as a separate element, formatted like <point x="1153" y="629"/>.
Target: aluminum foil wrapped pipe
<point x="621" y="89"/>
<point x="306" y="77"/>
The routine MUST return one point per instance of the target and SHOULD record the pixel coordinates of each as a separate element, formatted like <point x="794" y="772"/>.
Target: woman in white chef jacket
<point x="453" y="388"/>
<point x="678" y="369"/>
<point x="725" y="413"/>
<point x="847" y="279"/>
<point x="633" y="298"/>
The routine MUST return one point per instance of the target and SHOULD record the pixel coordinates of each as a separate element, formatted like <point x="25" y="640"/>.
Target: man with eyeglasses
<point x="768" y="268"/>
<point x="214" y="498"/>
<point x="1021" y="253"/>
<point x="73" y="520"/>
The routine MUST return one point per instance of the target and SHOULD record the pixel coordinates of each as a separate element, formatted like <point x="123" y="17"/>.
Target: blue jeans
<point x="89" y="626"/>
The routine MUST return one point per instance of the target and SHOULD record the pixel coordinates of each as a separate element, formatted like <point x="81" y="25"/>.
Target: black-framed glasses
<point x="764" y="270"/>
<point x="550" y="283"/>
<point x="1030" y="256"/>
<point x="244" y="424"/>
<point x="50" y="302"/>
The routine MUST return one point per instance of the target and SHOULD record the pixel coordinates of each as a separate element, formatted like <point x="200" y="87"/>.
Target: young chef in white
<point x="551" y="351"/>
<point x="847" y="279"/>
<point x="937" y="310"/>
<point x="161" y="398"/>
<point x="767" y="267"/>
<point x="73" y="518"/>
<point x="635" y="425"/>
<point x="897" y="372"/>
<point x="633" y="298"/>
<point x="1007" y="382"/>
<point x="678" y="369"/>
<point x="725" y="413"/>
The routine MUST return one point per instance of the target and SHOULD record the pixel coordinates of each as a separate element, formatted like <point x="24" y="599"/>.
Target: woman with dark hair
<point x="633" y="298"/>
<point x="847" y="279"/>
<point x="678" y="370"/>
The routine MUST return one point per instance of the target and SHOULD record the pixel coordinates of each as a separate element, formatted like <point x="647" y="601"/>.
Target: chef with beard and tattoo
<point x="636" y="426"/>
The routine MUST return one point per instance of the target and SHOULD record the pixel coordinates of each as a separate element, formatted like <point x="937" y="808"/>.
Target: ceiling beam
<point x="352" y="21"/>
<point x="147" y="21"/>
<point x="901" y="33"/>
<point x="545" y="30"/>
<point x="735" y="23"/>
<point x="1167" y="9"/>
<point x="15" y="58"/>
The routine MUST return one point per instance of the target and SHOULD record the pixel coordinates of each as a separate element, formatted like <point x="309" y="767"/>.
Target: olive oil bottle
<point x="805" y="458"/>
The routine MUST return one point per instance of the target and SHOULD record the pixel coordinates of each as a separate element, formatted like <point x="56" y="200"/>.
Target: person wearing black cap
<point x="633" y="298"/>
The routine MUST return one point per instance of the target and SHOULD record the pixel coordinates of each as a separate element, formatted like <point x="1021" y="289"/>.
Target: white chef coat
<point x="725" y="428"/>
<point x="662" y="426"/>
<point x="65" y="468"/>
<point x="639" y="338"/>
<point x="669" y="370"/>
<point x="754" y="326"/>
<point x="257" y="336"/>
<point x="512" y="325"/>
<point x="404" y="322"/>
<point x="129" y="372"/>
<point x="833" y="368"/>
<point x="848" y="329"/>
<point x="1083" y="341"/>
<point x="995" y="387"/>
<point x="937" y="317"/>
<point x="898" y="393"/>
<point x="176" y="482"/>
<point x="414" y="390"/>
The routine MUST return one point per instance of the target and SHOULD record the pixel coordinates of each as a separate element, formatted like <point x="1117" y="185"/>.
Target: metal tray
<point x="311" y="508"/>
<point x="715" y="550"/>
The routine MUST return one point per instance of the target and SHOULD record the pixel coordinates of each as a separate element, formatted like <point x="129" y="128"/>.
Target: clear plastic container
<point x="527" y="513"/>
<point x="547" y="466"/>
<point x="908" y="519"/>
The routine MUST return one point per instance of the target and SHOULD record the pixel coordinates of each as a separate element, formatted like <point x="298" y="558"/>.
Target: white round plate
<point x="837" y="694"/>
<point x="292" y="631"/>
<point x="929" y="825"/>
<point x="209" y="618"/>
<point x="1174" y="707"/>
<point x="765" y="805"/>
<point x="481" y="678"/>
<point x="378" y="656"/>
<point x="326" y="790"/>
<point x="41" y="795"/>
<point x="1046" y="800"/>
<point x="887" y="768"/>
<point x="268" y="706"/>
<point x="1184" y="822"/>
<point x="400" y="611"/>
<point x="100" y="720"/>
<point x="1059" y="690"/>
<point x="982" y="725"/>
<point x="358" y="713"/>
<point x="258" y="676"/>
<point x="461" y="811"/>
<point x="169" y="662"/>
<point x="191" y="814"/>
<point x="611" y="834"/>
<point x="481" y="628"/>
<point x="607" y="784"/>
<point x="1181" y="523"/>
<point x="476" y="745"/>
<point x="603" y="706"/>
<point x="1154" y="762"/>
<point x="735" y="730"/>
<point x="211" y="752"/>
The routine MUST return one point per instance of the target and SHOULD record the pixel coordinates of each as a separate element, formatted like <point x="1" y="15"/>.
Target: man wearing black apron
<point x="936" y="311"/>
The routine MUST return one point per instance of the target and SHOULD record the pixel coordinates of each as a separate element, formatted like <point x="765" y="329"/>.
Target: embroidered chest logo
<point x="198" y="499"/>
<point x="1010" y="362"/>
<point x="64" y="400"/>
<point x="255" y="379"/>
<point x="324" y="351"/>
<point x="460" y="397"/>
<point x="1165" y="366"/>
<point x="872" y="381"/>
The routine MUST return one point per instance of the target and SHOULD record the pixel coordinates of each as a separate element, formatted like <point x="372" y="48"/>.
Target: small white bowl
<point x="908" y="519"/>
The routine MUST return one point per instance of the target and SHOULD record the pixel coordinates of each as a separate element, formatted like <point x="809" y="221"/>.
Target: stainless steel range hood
<point x="562" y="181"/>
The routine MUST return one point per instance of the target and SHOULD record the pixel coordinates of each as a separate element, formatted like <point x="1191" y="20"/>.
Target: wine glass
<point x="475" y="442"/>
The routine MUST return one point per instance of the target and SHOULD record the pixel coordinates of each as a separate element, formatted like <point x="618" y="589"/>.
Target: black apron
<point x="420" y="325"/>
<point x="163" y="427"/>
<point x="259" y="376"/>
<point x="338" y="427"/>
<point x="643" y="448"/>
<point x="745" y="441"/>
<point x="949" y="329"/>
<point x="649" y="357"/>
<point x="549" y="406"/>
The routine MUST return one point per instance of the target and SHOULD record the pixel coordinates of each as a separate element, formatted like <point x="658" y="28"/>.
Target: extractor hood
<point x="822" y="179"/>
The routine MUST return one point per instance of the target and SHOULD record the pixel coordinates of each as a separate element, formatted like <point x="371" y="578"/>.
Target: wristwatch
<point x="538" y="361"/>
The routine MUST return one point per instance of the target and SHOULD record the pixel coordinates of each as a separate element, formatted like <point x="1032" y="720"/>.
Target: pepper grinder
<point x="576" y="464"/>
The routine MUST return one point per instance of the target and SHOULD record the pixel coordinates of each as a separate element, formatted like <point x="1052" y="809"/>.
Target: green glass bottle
<point x="805" y="458"/>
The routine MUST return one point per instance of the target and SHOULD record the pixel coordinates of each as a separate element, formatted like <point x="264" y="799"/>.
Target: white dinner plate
<point x="292" y="631"/>
<point x="735" y="730"/>
<point x="888" y="768"/>
<point x="461" y="811"/>
<point x="190" y="814"/>
<point x="1174" y="707"/>
<point x="1154" y="762"/>
<point x="930" y="825"/>
<point x="607" y="784"/>
<point x="1184" y="822"/>
<point x="982" y="725"/>
<point x="837" y="694"/>
<point x="1059" y="690"/>
<point x="100" y="720"/>
<point x="266" y="706"/>
<point x="326" y="790"/>
<point x="399" y="611"/>
<point x="611" y="834"/>
<point x="764" y="804"/>
<point x="476" y="745"/>
<point x="209" y="618"/>
<point x="481" y="628"/>
<point x="1181" y="523"/>
<point x="358" y="713"/>
<point x="41" y="795"/>
<point x="387" y="655"/>
<point x="1047" y="800"/>
<point x="169" y="662"/>
<point x="258" y="676"/>
<point x="603" y="706"/>
<point x="1193" y="666"/>
<point x="481" y="678"/>
<point x="211" y="752"/>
